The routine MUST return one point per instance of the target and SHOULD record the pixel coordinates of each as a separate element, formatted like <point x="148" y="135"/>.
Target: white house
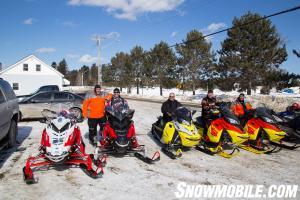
<point x="30" y="73"/>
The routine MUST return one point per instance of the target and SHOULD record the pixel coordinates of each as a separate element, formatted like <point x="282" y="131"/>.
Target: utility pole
<point x="99" y="39"/>
<point x="98" y="42"/>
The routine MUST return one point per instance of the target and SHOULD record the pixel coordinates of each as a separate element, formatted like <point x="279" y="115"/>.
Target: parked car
<point x="45" y="88"/>
<point x="9" y="110"/>
<point x="32" y="106"/>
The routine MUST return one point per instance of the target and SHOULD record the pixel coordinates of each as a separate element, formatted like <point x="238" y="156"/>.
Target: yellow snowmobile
<point x="177" y="134"/>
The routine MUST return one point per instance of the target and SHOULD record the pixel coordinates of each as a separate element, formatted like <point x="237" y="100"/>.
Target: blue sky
<point x="57" y="29"/>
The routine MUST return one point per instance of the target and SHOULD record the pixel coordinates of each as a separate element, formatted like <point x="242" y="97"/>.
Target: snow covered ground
<point x="130" y="178"/>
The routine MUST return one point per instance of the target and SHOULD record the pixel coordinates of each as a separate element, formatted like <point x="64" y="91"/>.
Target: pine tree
<point x="195" y="59"/>
<point x="250" y="51"/>
<point x="137" y="55"/>
<point x="84" y="75"/>
<point x="72" y="76"/>
<point x="122" y="68"/>
<point x="54" y="65"/>
<point x="62" y="67"/>
<point x="93" y="79"/>
<point x="163" y="61"/>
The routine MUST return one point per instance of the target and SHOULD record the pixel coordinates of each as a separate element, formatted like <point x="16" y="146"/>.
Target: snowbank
<point x="277" y="101"/>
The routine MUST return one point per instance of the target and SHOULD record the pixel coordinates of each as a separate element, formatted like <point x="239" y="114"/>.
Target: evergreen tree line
<point x="250" y="56"/>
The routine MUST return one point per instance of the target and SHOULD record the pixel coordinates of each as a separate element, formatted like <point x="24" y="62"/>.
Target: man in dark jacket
<point x="168" y="107"/>
<point x="207" y="104"/>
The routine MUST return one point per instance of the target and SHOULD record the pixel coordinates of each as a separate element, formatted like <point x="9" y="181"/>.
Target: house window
<point x="15" y="86"/>
<point x="25" y="67"/>
<point x="38" y="68"/>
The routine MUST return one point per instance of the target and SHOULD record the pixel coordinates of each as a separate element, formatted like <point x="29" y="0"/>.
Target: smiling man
<point x="93" y="108"/>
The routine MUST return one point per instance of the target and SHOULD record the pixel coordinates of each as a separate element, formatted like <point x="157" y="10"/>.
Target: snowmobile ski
<point x="225" y="154"/>
<point x="258" y="150"/>
<point x="148" y="160"/>
<point x="286" y="146"/>
<point x="218" y="151"/>
<point x="173" y="155"/>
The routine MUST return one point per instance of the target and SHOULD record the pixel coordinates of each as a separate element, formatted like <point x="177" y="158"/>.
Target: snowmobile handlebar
<point x="46" y="113"/>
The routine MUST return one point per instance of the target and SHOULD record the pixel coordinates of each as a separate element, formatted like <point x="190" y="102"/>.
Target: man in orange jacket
<point x="93" y="108"/>
<point x="240" y="108"/>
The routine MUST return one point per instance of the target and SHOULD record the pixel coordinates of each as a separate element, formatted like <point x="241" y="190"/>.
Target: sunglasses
<point x="171" y="96"/>
<point x="116" y="92"/>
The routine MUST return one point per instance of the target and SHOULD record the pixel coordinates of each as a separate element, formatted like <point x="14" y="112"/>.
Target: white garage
<point x="30" y="73"/>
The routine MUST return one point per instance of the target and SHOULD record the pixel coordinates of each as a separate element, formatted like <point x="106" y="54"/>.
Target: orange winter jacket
<point x="94" y="105"/>
<point x="239" y="109"/>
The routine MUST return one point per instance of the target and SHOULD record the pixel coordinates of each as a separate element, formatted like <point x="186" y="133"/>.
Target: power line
<point x="233" y="27"/>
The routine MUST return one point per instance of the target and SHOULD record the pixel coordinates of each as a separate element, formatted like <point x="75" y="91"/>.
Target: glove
<point x="169" y="114"/>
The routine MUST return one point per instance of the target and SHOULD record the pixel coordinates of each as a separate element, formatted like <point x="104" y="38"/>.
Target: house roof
<point x="28" y="57"/>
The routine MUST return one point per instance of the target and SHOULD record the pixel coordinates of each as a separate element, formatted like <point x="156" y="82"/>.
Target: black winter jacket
<point x="170" y="106"/>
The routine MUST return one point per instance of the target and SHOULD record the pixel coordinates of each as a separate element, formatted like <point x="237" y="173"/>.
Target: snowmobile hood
<point x="60" y="123"/>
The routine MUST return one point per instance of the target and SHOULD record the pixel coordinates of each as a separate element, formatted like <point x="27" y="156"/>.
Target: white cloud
<point x="181" y="13"/>
<point x="87" y="59"/>
<point x="111" y="35"/>
<point x="174" y="33"/>
<point x="130" y="9"/>
<point x="29" y="21"/>
<point x="45" y="50"/>
<point x="69" y="24"/>
<point x="213" y="27"/>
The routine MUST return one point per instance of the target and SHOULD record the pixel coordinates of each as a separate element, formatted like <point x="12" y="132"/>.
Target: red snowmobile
<point x="61" y="144"/>
<point x="118" y="137"/>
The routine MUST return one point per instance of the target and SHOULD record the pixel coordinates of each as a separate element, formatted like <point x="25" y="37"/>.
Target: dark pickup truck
<point x="9" y="111"/>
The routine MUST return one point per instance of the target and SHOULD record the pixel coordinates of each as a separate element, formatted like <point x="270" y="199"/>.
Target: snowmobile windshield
<point x="228" y="114"/>
<point x="120" y="112"/>
<point x="264" y="113"/>
<point x="62" y="129"/>
<point x="183" y="115"/>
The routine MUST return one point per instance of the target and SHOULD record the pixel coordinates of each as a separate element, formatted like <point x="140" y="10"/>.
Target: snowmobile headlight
<point x="186" y="122"/>
<point x="195" y="130"/>
<point x="278" y="119"/>
<point x="268" y="120"/>
<point x="181" y="128"/>
<point x="233" y="121"/>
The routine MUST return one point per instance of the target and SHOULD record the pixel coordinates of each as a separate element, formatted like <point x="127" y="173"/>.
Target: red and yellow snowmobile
<point x="265" y="136"/>
<point x="224" y="133"/>
<point x="61" y="144"/>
